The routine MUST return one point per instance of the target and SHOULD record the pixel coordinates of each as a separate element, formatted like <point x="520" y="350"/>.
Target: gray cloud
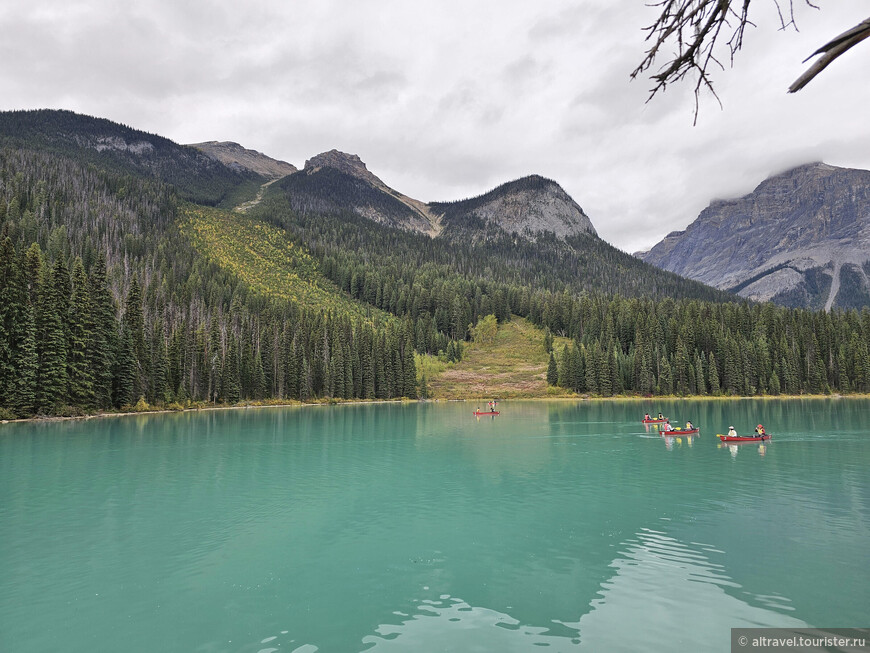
<point x="446" y="100"/>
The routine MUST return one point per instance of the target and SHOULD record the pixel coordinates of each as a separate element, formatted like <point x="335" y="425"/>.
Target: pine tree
<point x="26" y="367"/>
<point x="81" y="377"/>
<point x="552" y="370"/>
<point x="666" y="379"/>
<point x="230" y="383"/>
<point x="135" y="321"/>
<point x="713" y="375"/>
<point x="125" y="384"/>
<point x="215" y="359"/>
<point x="605" y="381"/>
<point x="258" y="377"/>
<point x="159" y="367"/>
<point x="615" y="371"/>
<point x="52" y="342"/>
<point x="10" y="308"/>
<point x="368" y="369"/>
<point x="382" y="390"/>
<point x="591" y="365"/>
<point x="409" y="369"/>
<point x="103" y="341"/>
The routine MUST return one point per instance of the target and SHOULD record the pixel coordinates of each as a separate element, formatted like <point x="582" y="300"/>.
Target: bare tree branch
<point x="698" y="31"/>
<point x="696" y="27"/>
<point x="830" y="51"/>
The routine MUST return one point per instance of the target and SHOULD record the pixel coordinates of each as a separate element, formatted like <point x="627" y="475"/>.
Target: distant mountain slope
<point x="264" y="258"/>
<point x="109" y="145"/>
<point x="526" y="205"/>
<point x="801" y="238"/>
<point x="238" y="158"/>
<point x="334" y="181"/>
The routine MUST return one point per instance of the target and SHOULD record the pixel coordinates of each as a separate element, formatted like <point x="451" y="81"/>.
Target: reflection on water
<point x="451" y="624"/>
<point x="676" y="596"/>
<point x="419" y="527"/>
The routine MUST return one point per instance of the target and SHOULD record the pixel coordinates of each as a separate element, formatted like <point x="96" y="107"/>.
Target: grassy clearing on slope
<point x="513" y="366"/>
<point x="265" y="259"/>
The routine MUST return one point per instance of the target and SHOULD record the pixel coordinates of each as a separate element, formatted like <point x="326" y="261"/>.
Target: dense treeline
<point x="690" y="347"/>
<point x="102" y="302"/>
<point x="350" y="245"/>
<point x="650" y="344"/>
<point x="327" y="190"/>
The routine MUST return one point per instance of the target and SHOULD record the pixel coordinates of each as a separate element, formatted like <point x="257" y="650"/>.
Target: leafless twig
<point x="696" y="30"/>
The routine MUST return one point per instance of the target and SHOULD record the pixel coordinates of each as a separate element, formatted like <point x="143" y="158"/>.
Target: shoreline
<point x="344" y="402"/>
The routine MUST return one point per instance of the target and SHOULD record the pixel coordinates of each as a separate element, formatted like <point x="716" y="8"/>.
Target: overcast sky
<point x="445" y="100"/>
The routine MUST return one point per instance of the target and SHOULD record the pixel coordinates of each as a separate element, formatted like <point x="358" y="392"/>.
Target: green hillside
<point x="512" y="366"/>
<point x="117" y="148"/>
<point x="266" y="260"/>
<point x="115" y="292"/>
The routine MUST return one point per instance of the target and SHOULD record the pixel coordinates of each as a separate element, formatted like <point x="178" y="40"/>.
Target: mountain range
<point x="801" y="238"/>
<point x="134" y="267"/>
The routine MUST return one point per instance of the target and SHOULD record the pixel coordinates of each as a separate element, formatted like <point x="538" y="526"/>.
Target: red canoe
<point x="492" y="412"/>
<point x="743" y="438"/>
<point x="681" y="432"/>
<point x="654" y="421"/>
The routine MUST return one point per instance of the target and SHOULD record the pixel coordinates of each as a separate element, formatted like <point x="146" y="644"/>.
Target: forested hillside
<point x="632" y="331"/>
<point x="115" y="291"/>
<point x="103" y="301"/>
<point x="108" y="145"/>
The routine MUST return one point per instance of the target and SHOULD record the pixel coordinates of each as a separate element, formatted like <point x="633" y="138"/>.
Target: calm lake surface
<point x="420" y="528"/>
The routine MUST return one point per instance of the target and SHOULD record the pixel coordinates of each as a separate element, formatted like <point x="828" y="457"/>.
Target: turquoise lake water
<point x="417" y="527"/>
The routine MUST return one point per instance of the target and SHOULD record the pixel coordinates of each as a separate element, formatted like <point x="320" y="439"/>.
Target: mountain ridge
<point x="111" y="145"/>
<point x="237" y="157"/>
<point x="787" y="241"/>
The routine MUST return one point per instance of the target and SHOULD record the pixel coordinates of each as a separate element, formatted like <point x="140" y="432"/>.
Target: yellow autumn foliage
<point x="265" y="258"/>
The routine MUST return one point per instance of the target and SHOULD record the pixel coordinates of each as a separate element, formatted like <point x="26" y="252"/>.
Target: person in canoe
<point x="731" y="432"/>
<point x="759" y="431"/>
<point x="689" y="426"/>
<point x="647" y="418"/>
<point x="667" y="427"/>
<point x="660" y="416"/>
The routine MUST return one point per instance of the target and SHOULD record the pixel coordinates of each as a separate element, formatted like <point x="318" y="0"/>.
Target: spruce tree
<point x="713" y="375"/>
<point x="26" y="367"/>
<point x="51" y="342"/>
<point x="81" y="377"/>
<point x="666" y="379"/>
<point x="103" y="340"/>
<point x="368" y="370"/>
<point x="159" y="382"/>
<point x="125" y="384"/>
<point x="230" y="384"/>
<point x="409" y="370"/>
<point x="552" y="370"/>
<point x="10" y="309"/>
<point x="135" y="321"/>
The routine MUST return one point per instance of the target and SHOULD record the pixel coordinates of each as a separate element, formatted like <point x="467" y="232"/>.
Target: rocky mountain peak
<point x="349" y="164"/>
<point x="529" y="204"/>
<point x="788" y="240"/>
<point x="237" y="157"/>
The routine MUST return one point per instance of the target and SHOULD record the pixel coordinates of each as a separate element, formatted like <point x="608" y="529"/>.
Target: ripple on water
<point x="659" y="579"/>
<point x="451" y="624"/>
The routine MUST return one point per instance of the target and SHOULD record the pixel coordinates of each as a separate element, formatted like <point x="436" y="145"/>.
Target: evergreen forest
<point x="122" y="289"/>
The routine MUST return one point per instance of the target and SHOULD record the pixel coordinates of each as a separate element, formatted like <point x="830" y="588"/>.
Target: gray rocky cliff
<point x="790" y="240"/>
<point x="237" y="157"/>
<point x="528" y="205"/>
